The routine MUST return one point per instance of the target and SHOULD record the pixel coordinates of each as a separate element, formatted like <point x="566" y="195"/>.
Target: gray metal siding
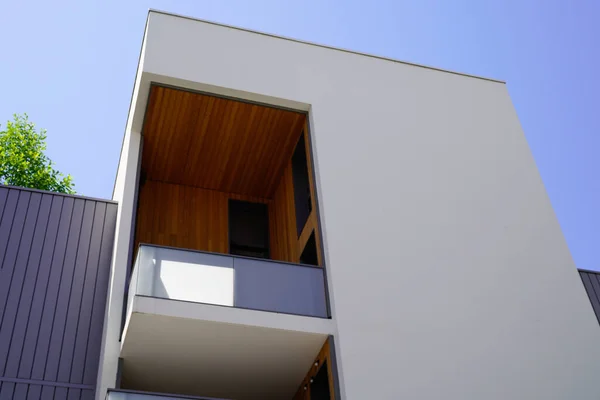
<point x="591" y="282"/>
<point x="55" y="254"/>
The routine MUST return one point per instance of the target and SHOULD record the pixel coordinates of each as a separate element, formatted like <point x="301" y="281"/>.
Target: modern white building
<point x="302" y="222"/>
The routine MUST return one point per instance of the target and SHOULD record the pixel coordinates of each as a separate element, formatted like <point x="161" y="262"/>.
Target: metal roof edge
<point x="588" y="271"/>
<point x="75" y="196"/>
<point x="152" y="10"/>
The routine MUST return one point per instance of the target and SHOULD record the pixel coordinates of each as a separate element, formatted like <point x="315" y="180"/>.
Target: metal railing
<point x="225" y="280"/>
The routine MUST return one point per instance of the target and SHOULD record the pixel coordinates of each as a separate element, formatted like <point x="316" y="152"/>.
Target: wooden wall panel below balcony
<point x="184" y="216"/>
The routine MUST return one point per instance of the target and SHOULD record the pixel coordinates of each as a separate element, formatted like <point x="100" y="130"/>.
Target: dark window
<point x="309" y="254"/>
<point x="301" y="186"/>
<point x="248" y="229"/>
<point x="319" y="388"/>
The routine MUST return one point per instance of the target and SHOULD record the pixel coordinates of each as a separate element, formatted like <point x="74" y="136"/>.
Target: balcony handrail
<point x="235" y="256"/>
<point x="254" y="283"/>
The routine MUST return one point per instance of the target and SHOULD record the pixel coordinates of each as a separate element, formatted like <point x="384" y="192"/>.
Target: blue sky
<point x="70" y="65"/>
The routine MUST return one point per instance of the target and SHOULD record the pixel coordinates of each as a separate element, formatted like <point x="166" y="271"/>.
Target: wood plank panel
<point x="303" y="392"/>
<point x="215" y="143"/>
<point x="202" y="150"/>
<point x="285" y="245"/>
<point x="309" y="228"/>
<point x="313" y="194"/>
<point x="282" y="220"/>
<point x="184" y="216"/>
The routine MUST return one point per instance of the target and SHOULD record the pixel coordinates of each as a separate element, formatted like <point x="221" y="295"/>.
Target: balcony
<point x="227" y="296"/>
<point x="222" y="326"/>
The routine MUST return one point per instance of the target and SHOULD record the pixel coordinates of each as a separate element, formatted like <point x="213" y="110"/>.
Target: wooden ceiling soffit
<point x="217" y="143"/>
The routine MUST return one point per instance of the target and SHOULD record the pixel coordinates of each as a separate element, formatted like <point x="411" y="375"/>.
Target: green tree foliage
<point x="22" y="159"/>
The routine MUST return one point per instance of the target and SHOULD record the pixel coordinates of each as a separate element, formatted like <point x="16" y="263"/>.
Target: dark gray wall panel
<point x="7" y="390"/>
<point x="27" y="290"/>
<point x="3" y="197"/>
<point x="74" y="394"/>
<point x="26" y="391"/>
<point x="48" y="393"/>
<point x="8" y="216"/>
<point x="55" y="255"/>
<point x="64" y="293"/>
<point x="41" y="289"/>
<point x="56" y="269"/>
<point x="75" y="296"/>
<point x="591" y="283"/>
<point x="61" y="393"/>
<point x="20" y="391"/>
<point x="34" y="392"/>
<point x="87" y="395"/>
<point x="100" y="296"/>
<point x="12" y="244"/>
<point x="87" y="301"/>
<point x="18" y="266"/>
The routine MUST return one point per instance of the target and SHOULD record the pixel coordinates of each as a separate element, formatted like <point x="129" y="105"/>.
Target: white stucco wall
<point x="124" y="193"/>
<point x="449" y="275"/>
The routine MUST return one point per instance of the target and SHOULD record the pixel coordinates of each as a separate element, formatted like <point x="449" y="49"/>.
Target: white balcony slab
<point x="180" y="347"/>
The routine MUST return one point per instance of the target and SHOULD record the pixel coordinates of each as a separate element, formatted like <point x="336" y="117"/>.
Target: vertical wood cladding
<point x="184" y="216"/>
<point x="55" y="254"/>
<point x="282" y="220"/>
<point x="199" y="150"/>
<point x="286" y="245"/>
<point x="194" y="218"/>
<point x="324" y="357"/>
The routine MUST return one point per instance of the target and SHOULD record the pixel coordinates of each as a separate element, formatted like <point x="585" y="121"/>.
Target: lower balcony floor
<point x="219" y="352"/>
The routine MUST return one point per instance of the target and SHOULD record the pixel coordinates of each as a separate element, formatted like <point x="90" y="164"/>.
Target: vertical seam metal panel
<point x="56" y="268"/>
<point x="80" y="271"/>
<point x="92" y="357"/>
<point x="594" y="279"/>
<point x="64" y="292"/>
<point x="55" y="257"/>
<point x="3" y="201"/>
<point x="87" y="295"/>
<point x="13" y="294"/>
<point x="28" y="287"/>
<point x="592" y="287"/>
<point x="26" y="365"/>
<point x="9" y="231"/>
<point x="596" y="285"/>
<point x="5" y="284"/>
